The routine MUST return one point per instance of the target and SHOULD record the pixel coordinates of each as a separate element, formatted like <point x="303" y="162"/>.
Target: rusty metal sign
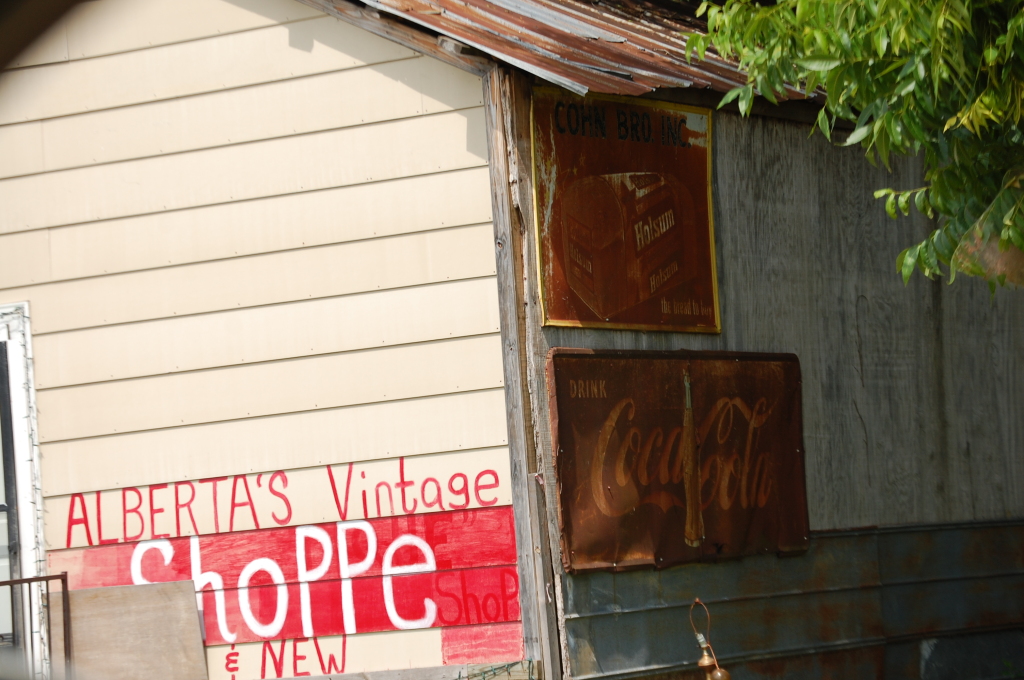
<point x="623" y="200"/>
<point x="671" y="457"/>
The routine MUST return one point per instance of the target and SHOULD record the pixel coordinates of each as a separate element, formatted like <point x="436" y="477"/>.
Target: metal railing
<point x="65" y="612"/>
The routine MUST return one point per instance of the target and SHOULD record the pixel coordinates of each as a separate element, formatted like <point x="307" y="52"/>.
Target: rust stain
<point x="610" y="46"/>
<point x="671" y="457"/>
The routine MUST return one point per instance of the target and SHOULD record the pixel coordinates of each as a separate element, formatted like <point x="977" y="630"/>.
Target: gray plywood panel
<point x="130" y="632"/>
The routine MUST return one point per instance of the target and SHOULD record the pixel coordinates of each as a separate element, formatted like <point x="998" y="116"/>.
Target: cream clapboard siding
<point x="252" y="238"/>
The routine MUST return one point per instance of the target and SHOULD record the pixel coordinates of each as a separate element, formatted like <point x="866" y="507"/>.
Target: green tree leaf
<point x="939" y="78"/>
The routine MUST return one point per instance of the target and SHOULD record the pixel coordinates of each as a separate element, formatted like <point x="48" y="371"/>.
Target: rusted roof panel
<point x="610" y="46"/>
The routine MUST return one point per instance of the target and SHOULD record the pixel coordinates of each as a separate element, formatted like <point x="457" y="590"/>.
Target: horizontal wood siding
<point x="463" y="420"/>
<point x="232" y="229"/>
<point x="190" y="67"/>
<point x="257" y="245"/>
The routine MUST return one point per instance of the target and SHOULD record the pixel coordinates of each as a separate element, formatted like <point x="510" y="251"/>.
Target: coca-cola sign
<point x="671" y="457"/>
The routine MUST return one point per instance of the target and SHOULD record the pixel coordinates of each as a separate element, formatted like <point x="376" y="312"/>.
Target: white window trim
<point x="15" y="329"/>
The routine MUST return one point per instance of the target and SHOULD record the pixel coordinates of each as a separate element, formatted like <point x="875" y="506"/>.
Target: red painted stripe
<point x="465" y="596"/>
<point x="459" y="540"/>
<point x="494" y="643"/>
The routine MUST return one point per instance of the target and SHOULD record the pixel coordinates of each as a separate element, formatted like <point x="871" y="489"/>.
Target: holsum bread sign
<point x="623" y="213"/>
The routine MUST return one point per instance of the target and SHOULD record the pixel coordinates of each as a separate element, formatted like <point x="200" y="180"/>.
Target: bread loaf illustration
<point x="623" y="238"/>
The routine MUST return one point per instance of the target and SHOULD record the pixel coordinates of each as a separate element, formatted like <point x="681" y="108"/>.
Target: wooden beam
<point x="528" y="498"/>
<point x="414" y="38"/>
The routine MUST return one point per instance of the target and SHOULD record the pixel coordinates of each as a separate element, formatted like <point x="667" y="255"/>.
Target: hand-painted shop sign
<point x="317" y="570"/>
<point x="623" y="213"/>
<point x="671" y="457"/>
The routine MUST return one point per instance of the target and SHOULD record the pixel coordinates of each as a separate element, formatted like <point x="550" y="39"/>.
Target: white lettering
<point x="277" y="576"/>
<point x="388" y="569"/>
<point x="305" y="575"/>
<point x="348" y="570"/>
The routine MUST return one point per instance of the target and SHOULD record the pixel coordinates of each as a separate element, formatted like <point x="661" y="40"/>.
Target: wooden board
<point x="24" y="258"/>
<point x="416" y="314"/>
<point x="48" y="48"/>
<point x="416" y="259"/>
<point x="24" y="151"/>
<point x="468" y="420"/>
<point x="110" y="26"/>
<point x="271" y="388"/>
<point x="455" y="568"/>
<point x="129" y="632"/>
<point x="357" y="96"/>
<point x="188" y="68"/>
<point x="247" y="171"/>
<point x="245" y="228"/>
<point x="276" y="498"/>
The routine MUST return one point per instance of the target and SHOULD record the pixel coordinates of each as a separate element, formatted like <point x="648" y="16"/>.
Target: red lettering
<point x="99" y="522"/>
<point x="469" y="598"/>
<point x="343" y="511"/>
<point x="332" y="665"/>
<point x="402" y="485"/>
<point x="296" y="657"/>
<point x="125" y="511"/>
<point x="231" y="661"/>
<point x="391" y="501"/>
<point x="287" y="506"/>
<point x="154" y="511"/>
<point x="83" y="520"/>
<point x="277" y="661"/>
<point x="509" y="577"/>
<point x="216" y="511"/>
<point x="248" y="501"/>
<point x="436" y="502"/>
<point x="464" y="491"/>
<point x="477" y="486"/>
<point x="188" y="506"/>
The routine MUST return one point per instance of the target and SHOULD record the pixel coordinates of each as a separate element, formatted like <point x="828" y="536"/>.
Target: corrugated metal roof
<point x="611" y="46"/>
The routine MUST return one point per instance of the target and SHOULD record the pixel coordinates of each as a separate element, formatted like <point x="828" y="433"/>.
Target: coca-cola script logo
<point x="665" y="466"/>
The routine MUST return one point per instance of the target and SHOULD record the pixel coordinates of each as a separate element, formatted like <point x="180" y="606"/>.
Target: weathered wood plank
<point x="534" y="562"/>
